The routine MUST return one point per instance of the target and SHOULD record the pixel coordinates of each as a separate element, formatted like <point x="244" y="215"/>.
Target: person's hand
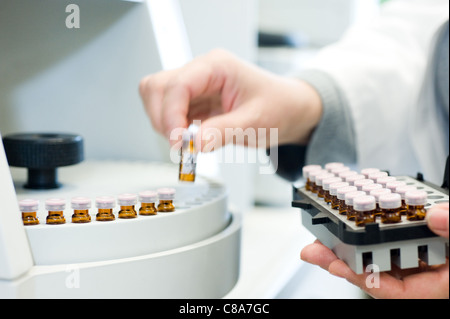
<point x="225" y="92"/>
<point x="422" y="282"/>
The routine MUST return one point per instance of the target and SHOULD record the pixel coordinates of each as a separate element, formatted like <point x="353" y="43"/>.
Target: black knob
<point x="42" y="154"/>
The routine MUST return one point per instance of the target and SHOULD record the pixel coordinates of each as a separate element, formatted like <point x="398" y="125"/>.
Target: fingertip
<point x="438" y="219"/>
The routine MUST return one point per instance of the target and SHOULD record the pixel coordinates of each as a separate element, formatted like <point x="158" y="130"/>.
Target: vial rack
<point x="402" y="243"/>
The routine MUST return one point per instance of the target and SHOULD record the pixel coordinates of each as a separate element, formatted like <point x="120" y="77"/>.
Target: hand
<point x="225" y="92"/>
<point x="422" y="282"/>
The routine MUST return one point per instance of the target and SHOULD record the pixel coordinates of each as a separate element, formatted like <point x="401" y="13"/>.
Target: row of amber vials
<point x="104" y="204"/>
<point x="388" y="198"/>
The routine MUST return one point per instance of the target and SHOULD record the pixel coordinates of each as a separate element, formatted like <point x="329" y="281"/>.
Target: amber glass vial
<point x="29" y="208"/>
<point x="377" y="193"/>
<point x="312" y="177"/>
<point x="333" y="193"/>
<point x="55" y="207"/>
<point x="127" y="203"/>
<point x="364" y="207"/>
<point x="306" y="170"/>
<point x="402" y="191"/>
<point x="415" y="204"/>
<point x="349" y="197"/>
<point x="166" y="197"/>
<point x="148" y="200"/>
<point x="80" y="206"/>
<point x="188" y="161"/>
<point x="105" y="205"/>
<point x="341" y="198"/>
<point x="390" y="205"/>
<point x="326" y="187"/>
<point x="393" y="185"/>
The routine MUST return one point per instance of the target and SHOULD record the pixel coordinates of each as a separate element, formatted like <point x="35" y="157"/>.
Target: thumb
<point x="437" y="218"/>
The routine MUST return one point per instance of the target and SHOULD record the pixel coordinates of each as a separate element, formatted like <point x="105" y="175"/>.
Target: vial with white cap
<point x="166" y="197"/>
<point x="393" y="185"/>
<point x="341" y="198"/>
<point x="352" y="178"/>
<point x="312" y="177"/>
<point x="361" y="182"/>
<point x="331" y="165"/>
<point x="370" y="187"/>
<point x="390" y="205"/>
<point x="55" y="207"/>
<point x="415" y="204"/>
<point x="306" y="170"/>
<point x="375" y="175"/>
<point x="188" y="160"/>
<point x="319" y="183"/>
<point x="402" y="191"/>
<point x="80" y="206"/>
<point x="333" y="193"/>
<point x="367" y="171"/>
<point x="148" y="200"/>
<point x="29" y="208"/>
<point x="377" y="193"/>
<point x="326" y="183"/>
<point x="105" y="205"/>
<point x="364" y="207"/>
<point x="126" y="202"/>
<point x="385" y="179"/>
<point x="349" y="197"/>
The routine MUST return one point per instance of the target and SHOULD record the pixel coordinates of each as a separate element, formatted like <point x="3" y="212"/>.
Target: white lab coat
<point x="381" y="67"/>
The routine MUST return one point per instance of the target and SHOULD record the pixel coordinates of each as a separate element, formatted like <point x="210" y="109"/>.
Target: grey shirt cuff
<point x="333" y="140"/>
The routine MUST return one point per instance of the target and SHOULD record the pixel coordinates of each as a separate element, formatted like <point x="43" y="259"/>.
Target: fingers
<point x="437" y="218"/>
<point x="318" y="254"/>
<point x="170" y="96"/>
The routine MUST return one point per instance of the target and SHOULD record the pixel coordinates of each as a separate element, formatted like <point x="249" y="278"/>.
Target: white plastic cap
<point x="327" y="182"/>
<point x="352" y="178"/>
<point x="340" y="169"/>
<point x="148" y="196"/>
<point x="364" y="203"/>
<point x="376" y="175"/>
<point x="367" y="171"/>
<point x="166" y="193"/>
<point x="309" y="168"/>
<point x="390" y="201"/>
<point x="343" y="190"/>
<point x="335" y="186"/>
<point x="385" y="179"/>
<point x="352" y="195"/>
<point x="321" y="177"/>
<point x="55" y="204"/>
<point x="378" y="192"/>
<point x="127" y="199"/>
<point x="370" y="187"/>
<point x="405" y="188"/>
<point x="344" y="174"/>
<point x="106" y="202"/>
<point x="330" y="166"/>
<point x="417" y="197"/>
<point x="393" y="185"/>
<point x="361" y="182"/>
<point x="81" y="202"/>
<point x="28" y="205"/>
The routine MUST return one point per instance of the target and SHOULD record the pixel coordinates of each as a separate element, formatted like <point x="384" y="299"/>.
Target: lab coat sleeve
<point x="332" y="140"/>
<point x="378" y="70"/>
